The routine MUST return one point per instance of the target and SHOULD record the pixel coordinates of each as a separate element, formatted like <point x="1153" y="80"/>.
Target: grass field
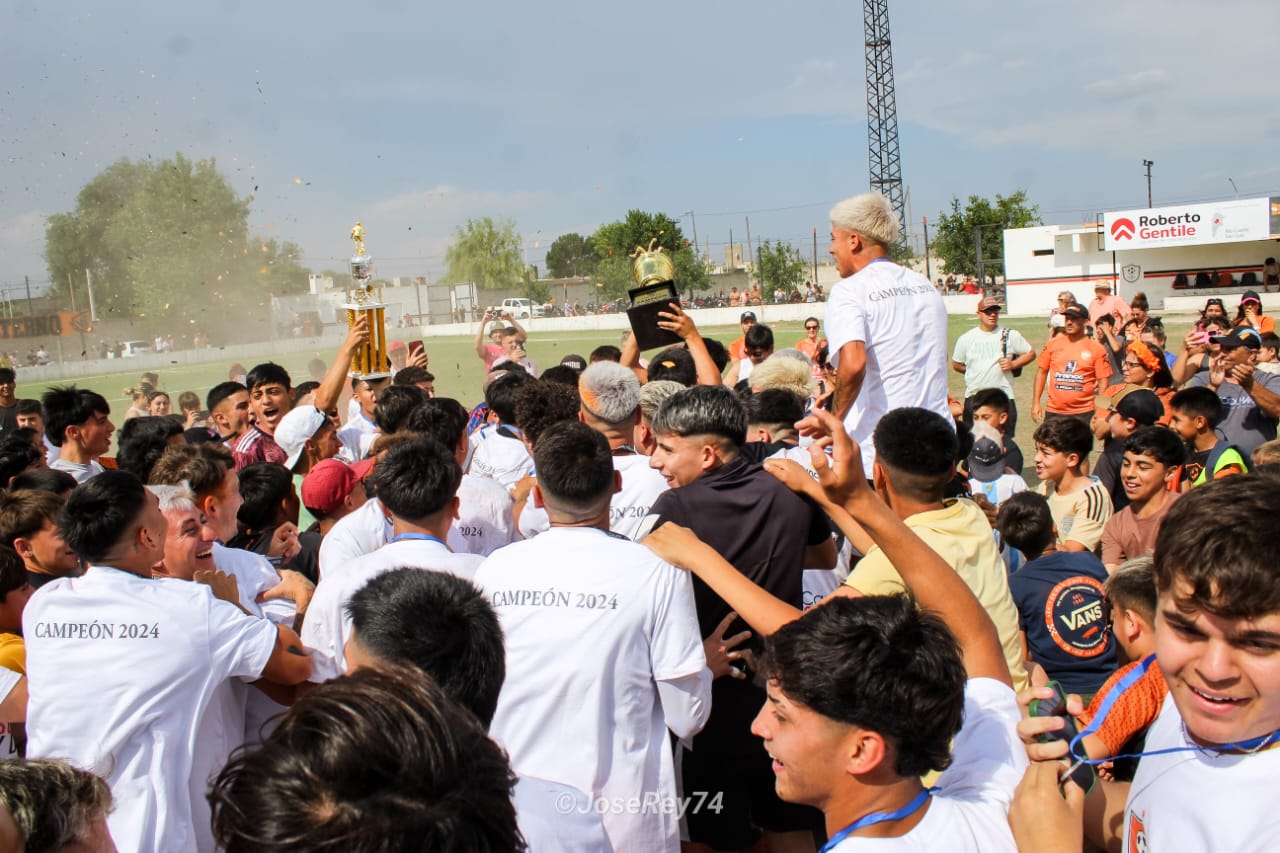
<point x="459" y="373"/>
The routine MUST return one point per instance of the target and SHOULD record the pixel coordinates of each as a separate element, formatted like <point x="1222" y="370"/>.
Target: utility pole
<point x="815" y="255"/>
<point x="694" y="222"/>
<point x="93" y="311"/>
<point x="31" y="311"/>
<point x="748" y="254"/>
<point x="977" y="249"/>
<point x="730" y="258"/>
<point x="1148" y="164"/>
<point x="928" y="273"/>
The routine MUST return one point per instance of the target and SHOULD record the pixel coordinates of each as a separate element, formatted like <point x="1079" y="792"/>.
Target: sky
<point x="412" y="117"/>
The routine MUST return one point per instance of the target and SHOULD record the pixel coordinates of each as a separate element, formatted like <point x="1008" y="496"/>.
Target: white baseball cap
<point x="296" y="429"/>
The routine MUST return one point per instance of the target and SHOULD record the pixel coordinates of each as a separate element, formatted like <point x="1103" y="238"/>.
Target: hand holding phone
<point x="1082" y="774"/>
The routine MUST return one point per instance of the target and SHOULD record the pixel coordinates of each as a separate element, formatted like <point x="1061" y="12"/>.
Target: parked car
<point x="132" y="348"/>
<point x="521" y="308"/>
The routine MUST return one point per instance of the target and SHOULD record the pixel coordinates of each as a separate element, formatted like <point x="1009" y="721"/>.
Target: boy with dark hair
<point x="394" y="764"/>
<point x="605" y="352"/>
<point x="228" y="405"/>
<point x="143" y="441"/>
<point x="1217" y="631"/>
<point x="15" y="590"/>
<point x="416" y="482"/>
<point x="1059" y="596"/>
<point x="28" y="524"/>
<point x="1079" y="503"/>
<point x="639" y="668"/>
<point x="865" y="694"/>
<point x="1196" y="412"/>
<point x="416" y="377"/>
<point x="460" y="646"/>
<point x="1132" y="408"/>
<point x="269" y="501"/>
<point x="78" y="422"/>
<point x="93" y="704"/>
<point x="757" y="346"/>
<point x="8" y="401"/>
<point x="1269" y="354"/>
<point x="991" y="406"/>
<point x="497" y="449"/>
<point x="31" y="414"/>
<point x="362" y="426"/>
<point x="1153" y="457"/>
<point x="16" y="456"/>
<point x="915" y="459"/>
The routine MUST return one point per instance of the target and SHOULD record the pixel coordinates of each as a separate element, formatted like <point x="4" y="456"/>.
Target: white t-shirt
<point x="326" y="627"/>
<point x="484" y="523"/>
<point x="499" y="456"/>
<point x="121" y="670"/>
<point x="641" y="486"/>
<point x="355" y="534"/>
<point x="817" y="584"/>
<point x="357" y="436"/>
<point x="1199" y="800"/>
<point x="558" y="818"/>
<point x="902" y="320"/>
<point x="970" y="811"/>
<point x="980" y="352"/>
<point x="592" y="622"/>
<point x="76" y="469"/>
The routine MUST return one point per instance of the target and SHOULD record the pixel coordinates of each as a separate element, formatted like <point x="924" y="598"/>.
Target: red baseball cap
<point x="327" y="484"/>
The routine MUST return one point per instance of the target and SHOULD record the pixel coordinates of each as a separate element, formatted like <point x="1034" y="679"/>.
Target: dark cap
<point x="1250" y="296"/>
<point x="986" y="460"/>
<point x="1077" y="311"/>
<point x="575" y="361"/>
<point x="1140" y="404"/>
<point x="748" y="315"/>
<point x="1240" y="336"/>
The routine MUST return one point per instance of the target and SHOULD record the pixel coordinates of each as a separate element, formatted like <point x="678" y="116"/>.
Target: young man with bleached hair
<point x="887" y="325"/>
<point x="637" y="669"/>
<point x="92" y="703"/>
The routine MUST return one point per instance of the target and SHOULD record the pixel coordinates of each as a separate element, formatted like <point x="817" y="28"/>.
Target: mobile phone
<point x="1083" y="774"/>
<point x="415" y="347"/>
<point x="1201" y="338"/>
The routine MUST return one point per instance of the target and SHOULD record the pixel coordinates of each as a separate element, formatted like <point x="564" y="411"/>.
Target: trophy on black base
<point x="364" y="299"/>
<point x="654" y="275"/>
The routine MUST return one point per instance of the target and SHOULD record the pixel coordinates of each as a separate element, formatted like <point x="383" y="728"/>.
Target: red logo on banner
<point x="1122" y="229"/>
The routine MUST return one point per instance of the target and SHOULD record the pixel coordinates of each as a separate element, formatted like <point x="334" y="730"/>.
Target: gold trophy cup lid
<point x="651" y="265"/>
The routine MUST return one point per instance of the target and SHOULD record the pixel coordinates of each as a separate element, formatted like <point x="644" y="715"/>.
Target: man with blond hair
<point x="887" y="325"/>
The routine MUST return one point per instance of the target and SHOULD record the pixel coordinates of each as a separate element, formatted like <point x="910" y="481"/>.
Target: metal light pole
<point x="1148" y="164"/>
<point x="927" y="270"/>
<point x="1233" y="186"/>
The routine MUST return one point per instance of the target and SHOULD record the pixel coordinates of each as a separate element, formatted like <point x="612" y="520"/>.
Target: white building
<point x="1153" y="250"/>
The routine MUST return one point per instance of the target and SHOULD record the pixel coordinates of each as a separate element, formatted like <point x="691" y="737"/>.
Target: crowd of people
<point x="725" y="597"/>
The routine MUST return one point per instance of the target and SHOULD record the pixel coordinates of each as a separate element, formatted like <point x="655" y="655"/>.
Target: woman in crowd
<point x="158" y="403"/>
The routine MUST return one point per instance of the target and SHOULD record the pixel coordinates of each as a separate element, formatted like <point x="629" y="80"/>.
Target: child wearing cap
<point x="1132" y="407"/>
<point x="988" y="468"/>
<point x="1250" y="313"/>
<point x="1073" y="368"/>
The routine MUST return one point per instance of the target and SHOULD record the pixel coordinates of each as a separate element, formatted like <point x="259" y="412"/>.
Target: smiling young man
<point x="28" y="524"/>
<point x="1073" y="367"/>
<point x="1218" y="644"/>
<point x="1153" y="456"/>
<point x="228" y="405"/>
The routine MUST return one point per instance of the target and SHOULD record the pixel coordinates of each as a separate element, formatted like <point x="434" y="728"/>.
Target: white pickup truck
<point x="521" y="308"/>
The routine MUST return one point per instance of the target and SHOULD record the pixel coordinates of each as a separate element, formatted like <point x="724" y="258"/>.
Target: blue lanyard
<point x="422" y="537"/>
<point x="872" y="819"/>
<point x="1117" y="690"/>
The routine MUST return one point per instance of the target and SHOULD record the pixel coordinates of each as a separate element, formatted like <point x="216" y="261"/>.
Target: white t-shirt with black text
<point x="592" y="622"/>
<point x="484" y="523"/>
<point x="121" y="670"/>
<point x="901" y="319"/>
<point x="326" y="627"/>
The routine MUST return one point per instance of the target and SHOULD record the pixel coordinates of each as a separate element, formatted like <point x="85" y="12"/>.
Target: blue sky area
<point x="413" y="117"/>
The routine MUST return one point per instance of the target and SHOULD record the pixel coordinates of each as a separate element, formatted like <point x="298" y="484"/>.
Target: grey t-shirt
<point x="1243" y="423"/>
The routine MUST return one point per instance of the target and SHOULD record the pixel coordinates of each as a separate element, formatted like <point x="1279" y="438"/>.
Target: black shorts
<point x="737" y="799"/>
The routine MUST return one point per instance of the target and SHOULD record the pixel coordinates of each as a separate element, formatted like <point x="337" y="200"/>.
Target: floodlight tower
<point x="883" y="156"/>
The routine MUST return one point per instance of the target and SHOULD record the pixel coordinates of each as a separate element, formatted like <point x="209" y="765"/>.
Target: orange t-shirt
<point x="1135" y="709"/>
<point x="1076" y="370"/>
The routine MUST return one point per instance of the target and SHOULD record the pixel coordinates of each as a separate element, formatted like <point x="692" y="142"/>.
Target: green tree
<point x="570" y="256"/>
<point x="780" y="266"/>
<point x="954" y="239"/>
<point x="487" y="253"/>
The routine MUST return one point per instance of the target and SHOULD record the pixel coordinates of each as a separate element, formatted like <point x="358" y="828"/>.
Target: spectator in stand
<point x="887" y="325"/>
<point x="1250" y="314"/>
<point x="1060" y="599"/>
<point x="988" y="356"/>
<point x="1250" y="399"/>
<point x="1074" y="368"/>
<point x="1106" y="303"/>
<point x="1153" y="458"/>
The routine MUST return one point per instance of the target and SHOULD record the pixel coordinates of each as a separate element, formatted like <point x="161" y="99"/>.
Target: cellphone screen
<point x="1083" y="775"/>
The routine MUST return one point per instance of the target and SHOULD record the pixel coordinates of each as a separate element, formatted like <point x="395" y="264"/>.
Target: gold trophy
<point x="651" y="266"/>
<point x="365" y="300"/>
<point x="654" y="293"/>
